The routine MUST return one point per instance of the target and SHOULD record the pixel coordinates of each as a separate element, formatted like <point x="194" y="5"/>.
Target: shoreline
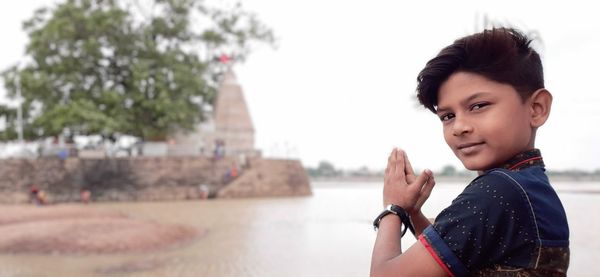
<point x="449" y="179"/>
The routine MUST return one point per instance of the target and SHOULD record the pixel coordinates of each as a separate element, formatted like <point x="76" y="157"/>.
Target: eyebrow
<point x="464" y="101"/>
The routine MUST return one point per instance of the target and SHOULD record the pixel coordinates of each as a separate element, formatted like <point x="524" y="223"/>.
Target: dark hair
<point x="500" y="54"/>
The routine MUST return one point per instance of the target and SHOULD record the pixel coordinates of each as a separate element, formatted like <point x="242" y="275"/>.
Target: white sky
<point x="340" y="86"/>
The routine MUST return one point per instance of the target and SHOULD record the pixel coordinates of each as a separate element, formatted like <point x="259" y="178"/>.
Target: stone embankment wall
<point x="146" y="178"/>
<point x="265" y="177"/>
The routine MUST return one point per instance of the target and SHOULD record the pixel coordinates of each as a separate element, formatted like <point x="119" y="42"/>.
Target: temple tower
<point x="232" y="121"/>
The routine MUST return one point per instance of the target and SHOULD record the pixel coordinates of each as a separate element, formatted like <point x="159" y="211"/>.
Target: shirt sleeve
<point x="483" y="226"/>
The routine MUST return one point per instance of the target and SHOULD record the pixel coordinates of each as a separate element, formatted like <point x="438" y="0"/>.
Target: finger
<point x="408" y="170"/>
<point x="388" y="169"/>
<point x="400" y="164"/>
<point x="427" y="187"/>
<point x="392" y="156"/>
<point x="421" y="181"/>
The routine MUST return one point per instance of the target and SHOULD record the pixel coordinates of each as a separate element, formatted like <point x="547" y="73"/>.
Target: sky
<point x="340" y="85"/>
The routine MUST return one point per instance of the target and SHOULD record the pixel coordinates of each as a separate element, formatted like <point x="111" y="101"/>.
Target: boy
<point x="488" y="91"/>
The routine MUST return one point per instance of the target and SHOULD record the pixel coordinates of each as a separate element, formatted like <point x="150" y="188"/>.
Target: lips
<point x="469" y="148"/>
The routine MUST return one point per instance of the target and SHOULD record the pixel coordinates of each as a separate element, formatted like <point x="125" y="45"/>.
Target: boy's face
<point x="485" y="122"/>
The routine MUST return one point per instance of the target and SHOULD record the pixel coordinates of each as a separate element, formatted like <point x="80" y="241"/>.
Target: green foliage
<point x="99" y="66"/>
<point x="324" y="169"/>
<point x="448" y="170"/>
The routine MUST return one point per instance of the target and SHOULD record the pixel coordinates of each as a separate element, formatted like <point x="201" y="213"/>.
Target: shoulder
<point x="496" y="187"/>
<point x="489" y="222"/>
<point x="491" y="200"/>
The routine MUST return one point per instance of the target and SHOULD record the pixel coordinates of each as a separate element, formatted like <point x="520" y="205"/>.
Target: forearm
<point x="387" y="244"/>
<point x="408" y="193"/>
<point x="420" y="222"/>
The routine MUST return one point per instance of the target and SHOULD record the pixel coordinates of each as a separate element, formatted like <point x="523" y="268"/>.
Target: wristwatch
<point x="400" y="212"/>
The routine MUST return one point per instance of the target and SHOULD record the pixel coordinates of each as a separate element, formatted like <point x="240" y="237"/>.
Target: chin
<point x="472" y="168"/>
<point x="475" y="165"/>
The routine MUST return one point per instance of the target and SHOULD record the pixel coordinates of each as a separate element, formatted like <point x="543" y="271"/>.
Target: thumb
<point x="423" y="178"/>
<point x="420" y="181"/>
<point x="426" y="183"/>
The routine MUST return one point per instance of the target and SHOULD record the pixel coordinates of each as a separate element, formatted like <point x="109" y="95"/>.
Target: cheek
<point x="525" y="133"/>
<point x="447" y="132"/>
<point x="516" y="132"/>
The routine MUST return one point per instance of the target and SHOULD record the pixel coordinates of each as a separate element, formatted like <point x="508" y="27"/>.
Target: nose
<point x="461" y="126"/>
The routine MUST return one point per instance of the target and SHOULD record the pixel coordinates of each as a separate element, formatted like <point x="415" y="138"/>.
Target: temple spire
<point x="233" y="123"/>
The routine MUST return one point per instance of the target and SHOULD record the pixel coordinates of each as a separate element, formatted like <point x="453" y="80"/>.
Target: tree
<point x="326" y="168"/>
<point x="448" y="170"/>
<point x="104" y="66"/>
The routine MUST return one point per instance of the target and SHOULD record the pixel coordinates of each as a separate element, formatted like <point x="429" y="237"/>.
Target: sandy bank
<point x="78" y="229"/>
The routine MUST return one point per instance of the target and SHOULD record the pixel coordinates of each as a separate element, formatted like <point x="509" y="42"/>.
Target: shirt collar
<point x="525" y="159"/>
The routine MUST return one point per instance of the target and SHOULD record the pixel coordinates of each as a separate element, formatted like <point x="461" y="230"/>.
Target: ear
<point x="540" y="103"/>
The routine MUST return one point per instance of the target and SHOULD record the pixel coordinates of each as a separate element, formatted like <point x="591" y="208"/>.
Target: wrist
<point x="410" y="211"/>
<point x="391" y="220"/>
<point x="389" y="211"/>
<point x="414" y="213"/>
<point x="386" y="203"/>
<point x="401" y="218"/>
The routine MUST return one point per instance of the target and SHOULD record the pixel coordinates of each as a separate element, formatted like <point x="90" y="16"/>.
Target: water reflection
<point x="328" y="234"/>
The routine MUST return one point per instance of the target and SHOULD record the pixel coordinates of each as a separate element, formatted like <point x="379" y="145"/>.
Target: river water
<point x="327" y="234"/>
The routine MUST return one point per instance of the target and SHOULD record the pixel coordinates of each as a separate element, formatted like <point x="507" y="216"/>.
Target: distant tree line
<point x="326" y="169"/>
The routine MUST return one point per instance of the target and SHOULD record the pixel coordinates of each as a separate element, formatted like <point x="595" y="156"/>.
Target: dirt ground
<point x="80" y="229"/>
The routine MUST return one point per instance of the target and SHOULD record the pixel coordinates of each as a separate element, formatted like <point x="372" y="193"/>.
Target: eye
<point x="446" y="117"/>
<point x="478" y="106"/>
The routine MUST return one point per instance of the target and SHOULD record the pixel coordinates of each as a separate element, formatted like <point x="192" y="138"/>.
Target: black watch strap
<point x="400" y="212"/>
